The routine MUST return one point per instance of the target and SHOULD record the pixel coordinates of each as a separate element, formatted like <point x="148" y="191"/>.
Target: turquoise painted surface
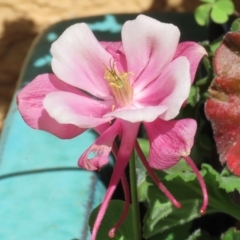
<point x="109" y="23"/>
<point x="44" y="195"/>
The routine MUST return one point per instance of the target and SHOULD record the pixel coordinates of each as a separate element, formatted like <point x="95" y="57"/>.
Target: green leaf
<point x="235" y="27"/>
<point x="201" y="81"/>
<point x="179" y="232"/>
<point x="215" y="45"/>
<point x="144" y="144"/>
<point x="229" y="182"/>
<point x="183" y="232"/>
<point x="182" y="183"/>
<point x="202" y="13"/>
<point x="143" y="188"/>
<point x="200" y="235"/>
<point x="194" y="96"/>
<point x="226" y="6"/>
<point x="182" y="169"/>
<point x="231" y="234"/>
<point x="220" y="11"/>
<point x="161" y="215"/>
<point x="141" y="171"/>
<point x="112" y="215"/>
<point x="218" y="15"/>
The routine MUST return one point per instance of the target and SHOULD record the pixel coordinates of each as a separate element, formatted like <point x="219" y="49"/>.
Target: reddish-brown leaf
<point x="223" y="105"/>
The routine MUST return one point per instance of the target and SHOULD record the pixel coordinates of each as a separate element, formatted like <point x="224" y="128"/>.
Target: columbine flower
<point x="113" y="87"/>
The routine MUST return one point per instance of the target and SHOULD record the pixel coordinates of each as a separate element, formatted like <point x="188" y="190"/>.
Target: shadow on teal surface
<point x="43" y="193"/>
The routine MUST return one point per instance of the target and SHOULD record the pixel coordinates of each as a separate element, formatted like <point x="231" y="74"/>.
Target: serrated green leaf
<point x="180" y="169"/>
<point x="161" y="215"/>
<point x="218" y="15"/>
<point x="143" y="188"/>
<point x="175" y="233"/>
<point x="185" y="188"/>
<point x="231" y="234"/>
<point x="229" y="182"/>
<point x="115" y="208"/>
<point x="154" y="224"/>
<point x="202" y="14"/>
<point x="226" y="6"/>
<point x="183" y="232"/>
<point x="195" y="235"/>
<point x="201" y="235"/>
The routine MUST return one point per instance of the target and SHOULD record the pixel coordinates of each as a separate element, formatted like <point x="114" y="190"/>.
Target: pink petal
<point x="129" y="133"/>
<point x="30" y="99"/>
<point x="171" y="89"/>
<point x="64" y="131"/>
<point x="127" y="197"/>
<point x="102" y="128"/>
<point x="149" y="46"/>
<point x="101" y="149"/>
<point x="169" y="141"/>
<point x="138" y="114"/>
<point x="193" y="52"/>
<point x="79" y="59"/>
<point x="82" y="111"/>
<point x="117" y="52"/>
<point x="124" y="214"/>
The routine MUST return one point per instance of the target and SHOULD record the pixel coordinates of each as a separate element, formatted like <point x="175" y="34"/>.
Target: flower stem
<point x="126" y="191"/>
<point x="135" y="206"/>
<point x="154" y="177"/>
<point x="201" y="182"/>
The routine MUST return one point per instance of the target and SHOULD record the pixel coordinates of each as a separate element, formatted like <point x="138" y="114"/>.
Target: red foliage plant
<point x="223" y="105"/>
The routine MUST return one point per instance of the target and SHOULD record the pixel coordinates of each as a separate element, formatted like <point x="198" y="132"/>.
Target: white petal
<point x="79" y="59"/>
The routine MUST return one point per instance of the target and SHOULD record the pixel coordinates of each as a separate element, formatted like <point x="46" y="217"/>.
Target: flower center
<point x="119" y="84"/>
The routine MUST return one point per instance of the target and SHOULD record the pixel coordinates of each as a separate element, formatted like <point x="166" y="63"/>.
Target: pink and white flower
<point x="113" y="87"/>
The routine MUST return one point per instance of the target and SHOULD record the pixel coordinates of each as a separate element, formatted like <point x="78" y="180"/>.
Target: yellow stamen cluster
<point x="119" y="84"/>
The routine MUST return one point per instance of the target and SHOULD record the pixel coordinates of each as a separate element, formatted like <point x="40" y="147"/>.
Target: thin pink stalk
<point x="154" y="177"/>
<point x="116" y="175"/>
<point x="201" y="182"/>
<point x="113" y="230"/>
<point x="123" y="155"/>
<point x="100" y="129"/>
